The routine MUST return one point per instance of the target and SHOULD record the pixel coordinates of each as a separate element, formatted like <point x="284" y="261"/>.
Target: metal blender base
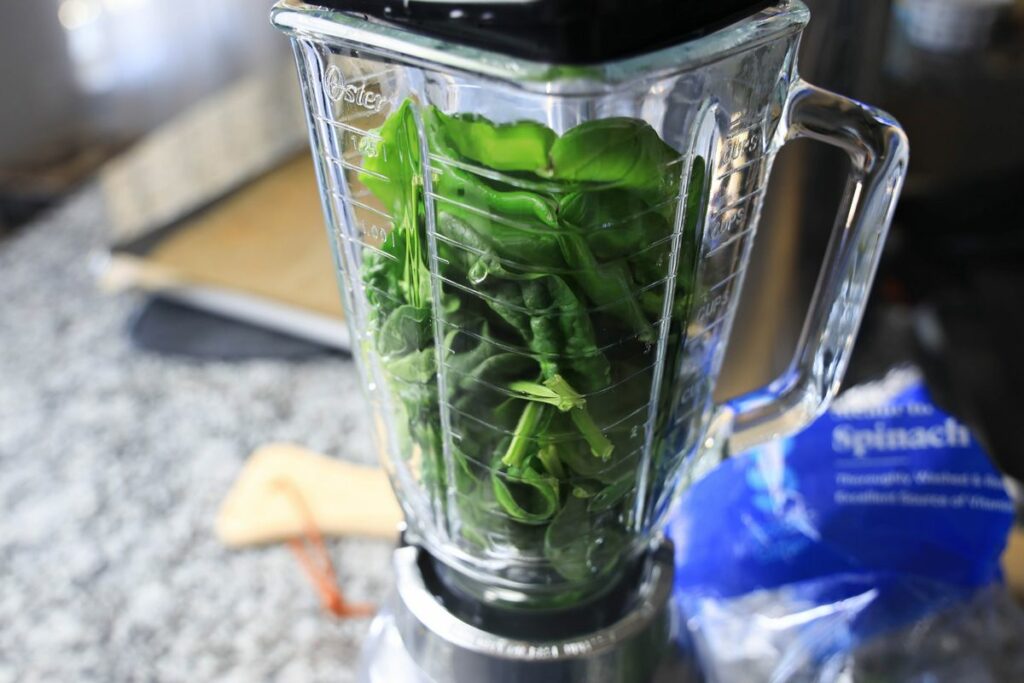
<point x="418" y="640"/>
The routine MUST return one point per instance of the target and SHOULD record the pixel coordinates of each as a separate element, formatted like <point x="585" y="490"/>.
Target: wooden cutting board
<point x="260" y="255"/>
<point x="339" y="498"/>
<point x="266" y="240"/>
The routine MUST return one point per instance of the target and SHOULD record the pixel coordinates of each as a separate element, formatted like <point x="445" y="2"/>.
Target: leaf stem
<point x="554" y="391"/>
<point x="528" y="422"/>
<point x="598" y="442"/>
<point x="548" y="456"/>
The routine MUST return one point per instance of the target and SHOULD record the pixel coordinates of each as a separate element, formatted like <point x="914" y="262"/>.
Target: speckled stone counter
<point x="112" y="464"/>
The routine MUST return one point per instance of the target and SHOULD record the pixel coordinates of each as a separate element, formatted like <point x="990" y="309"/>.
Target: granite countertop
<point x="113" y="462"/>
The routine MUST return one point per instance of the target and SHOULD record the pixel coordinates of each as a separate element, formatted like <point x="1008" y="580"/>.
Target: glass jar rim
<point x="381" y="39"/>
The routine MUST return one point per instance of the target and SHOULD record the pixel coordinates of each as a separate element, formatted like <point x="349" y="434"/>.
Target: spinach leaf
<point x="581" y="545"/>
<point x="615" y="223"/>
<point x="608" y="286"/>
<point x="406" y="329"/>
<point x="393" y="173"/>
<point x="622" y="152"/>
<point x="608" y="497"/>
<point x="583" y="360"/>
<point x="505" y="298"/>
<point x="466" y="194"/>
<point x="526" y="494"/>
<point x="391" y="159"/>
<point x="520" y="146"/>
<point x="520" y="243"/>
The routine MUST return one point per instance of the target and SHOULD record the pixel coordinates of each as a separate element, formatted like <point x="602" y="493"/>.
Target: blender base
<point x="418" y="640"/>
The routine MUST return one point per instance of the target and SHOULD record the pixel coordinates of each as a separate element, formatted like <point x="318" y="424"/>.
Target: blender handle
<point x="878" y="151"/>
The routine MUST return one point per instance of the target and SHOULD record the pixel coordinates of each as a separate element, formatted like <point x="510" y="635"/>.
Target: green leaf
<point x="577" y="457"/>
<point x="415" y="368"/>
<point x="615" y="223"/>
<point x="526" y="495"/>
<point x="500" y="245"/>
<point x="466" y="194"/>
<point x="610" y="496"/>
<point x="623" y="152"/>
<point x="392" y="172"/>
<point x="582" y="546"/>
<point x="382" y="272"/>
<point x="406" y="329"/>
<point x="520" y="146"/>
<point x="391" y="158"/>
<point x="690" y="249"/>
<point x="561" y="333"/>
<point x="568" y="540"/>
<point x="584" y="362"/>
<point x="505" y="298"/>
<point x="608" y="286"/>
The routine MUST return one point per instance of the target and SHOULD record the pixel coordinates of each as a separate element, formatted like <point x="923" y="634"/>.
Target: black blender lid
<point x="558" y="31"/>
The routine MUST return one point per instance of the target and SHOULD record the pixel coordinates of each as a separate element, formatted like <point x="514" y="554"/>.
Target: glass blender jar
<point x="541" y="212"/>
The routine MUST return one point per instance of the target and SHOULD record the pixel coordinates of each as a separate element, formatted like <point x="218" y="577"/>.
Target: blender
<point x="541" y="212"/>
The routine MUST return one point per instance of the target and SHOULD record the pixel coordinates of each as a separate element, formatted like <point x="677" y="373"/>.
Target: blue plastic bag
<point x="884" y="511"/>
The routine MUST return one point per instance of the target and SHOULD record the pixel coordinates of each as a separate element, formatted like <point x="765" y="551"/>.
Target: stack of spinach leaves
<point x="553" y="255"/>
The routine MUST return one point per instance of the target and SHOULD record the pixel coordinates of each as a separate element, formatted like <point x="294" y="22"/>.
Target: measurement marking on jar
<point x="353" y="145"/>
<point x="355" y="240"/>
<point x="643" y="287"/>
<point x="705" y="329"/>
<point x="375" y="232"/>
<point x="725" y="222"/>
<point x="530" y="312"/>
<point x="742" y="144"/>
<point x="359" y="194"/>
<point x="455" y="243"/>
<point x="726" y="280"/>
<point x="714" y="306"/>
<point x="347" y="127"/>
<point x="484" y="213"/>
<point x="530" y="354"/>
<point x="361" y="205"/>
<point x="566" y="436"/>
<point x="732" y="240"/>
<point x="740" y="184"/>
<point x="679" y="161"/>
<point x="357" y="168"/>
<point x="690" y="395"/>
<point x="356" y="154"/>
<point x="736" y="169"/>
<point x="384" y="294"/>
<point x="692" y="408"/>
<point x="562" y="437"/>
<point x="483" y="172"/>
<point x="736" y="202"/>
<point x="741" y="126"/>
